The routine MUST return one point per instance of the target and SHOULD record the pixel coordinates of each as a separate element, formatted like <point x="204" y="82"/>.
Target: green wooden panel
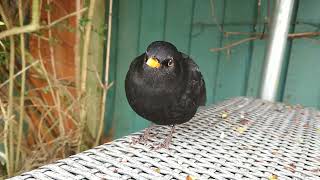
<point x="206" y="35"/>
<point x="178" y="23"/>
<point x="190" y="26"/>
<point x="152" y="23"/>
<point x="302" y="81"/>
<point x="128" y="35"/>
<point x="238" y="12"/>
<point x="233" y="66"/>
<point x="302" y="84"/>
<point x="258" y="51"/>
<point x="256" y="68"/>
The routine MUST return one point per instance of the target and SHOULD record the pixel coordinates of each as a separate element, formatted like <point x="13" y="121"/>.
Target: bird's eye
<point x="170" y="62"/>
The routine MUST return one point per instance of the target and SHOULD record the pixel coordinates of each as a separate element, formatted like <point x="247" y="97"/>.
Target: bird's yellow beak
<point x="153" y="62"/>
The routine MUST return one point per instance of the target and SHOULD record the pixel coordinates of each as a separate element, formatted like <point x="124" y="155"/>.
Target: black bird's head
<point x="162" y="56"/>
<point x="160" y="69"/>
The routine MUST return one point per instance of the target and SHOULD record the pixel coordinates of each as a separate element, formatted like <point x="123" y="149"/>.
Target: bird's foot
<point x="142" y="138"/>
<point x="166" y="143"/>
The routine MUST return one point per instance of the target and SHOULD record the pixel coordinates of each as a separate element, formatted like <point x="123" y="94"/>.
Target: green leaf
<point x="46" y="89"/>
<point x="48" y="7"/>
<point x="84" y="21"/>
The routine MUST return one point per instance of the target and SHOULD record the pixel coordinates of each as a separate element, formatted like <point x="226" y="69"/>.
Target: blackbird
<point x="165" y="87"/>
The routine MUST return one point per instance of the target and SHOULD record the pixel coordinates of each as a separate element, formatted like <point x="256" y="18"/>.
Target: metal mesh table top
<point x="240" y="138"/>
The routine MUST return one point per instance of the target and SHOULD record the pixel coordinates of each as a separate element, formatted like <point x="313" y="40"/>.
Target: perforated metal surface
<point x="255" y="140"/>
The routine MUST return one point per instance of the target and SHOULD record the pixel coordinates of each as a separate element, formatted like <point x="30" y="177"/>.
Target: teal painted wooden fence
<point x="195" y="26"/>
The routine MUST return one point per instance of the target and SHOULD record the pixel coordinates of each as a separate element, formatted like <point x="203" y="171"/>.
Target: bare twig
<point x="303" y="35"/>
<point x="292" y="35"/>
<point x="227" y="47"/>
<point x="19" y="30"/>
<point x="20" y="72"/>
<point x="35" y="26"/>
<point x="98" y="77"/>
<point x="229" y="33"/>
<point x="260" y="36"/>
<point x="78" y="12"/>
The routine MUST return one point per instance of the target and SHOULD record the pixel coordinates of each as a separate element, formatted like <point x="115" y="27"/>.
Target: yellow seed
<point x="157" y="170"/>
<point x="273" y="177"/>
<point x="189" y="177"/>
<point x="224" y="115"/>
<point x="241" y="129"/>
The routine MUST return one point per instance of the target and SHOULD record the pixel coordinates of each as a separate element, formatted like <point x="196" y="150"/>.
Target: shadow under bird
<point x="165" y="87"/>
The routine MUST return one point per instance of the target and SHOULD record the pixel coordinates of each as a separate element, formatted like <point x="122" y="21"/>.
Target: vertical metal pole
<point x="276" y="48"/>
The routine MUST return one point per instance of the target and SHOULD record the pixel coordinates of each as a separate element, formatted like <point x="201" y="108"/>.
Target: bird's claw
<point x="138" y="140"/>
<point x="166" y="143"/>
<point x="142" y="138"/>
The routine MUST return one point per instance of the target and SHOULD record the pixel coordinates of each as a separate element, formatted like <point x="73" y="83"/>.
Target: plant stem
<point x="84" y="70"/>
<point x="10" y="104"/>
<point x="9" y="128"/>
<point x="106" y="77"/>
<point x="23" y="83"/>
<point x="77" y="60"/>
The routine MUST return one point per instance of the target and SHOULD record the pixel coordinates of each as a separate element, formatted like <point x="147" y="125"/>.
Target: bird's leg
<point x="144" y="137"/>
<point x="167" y="141"/>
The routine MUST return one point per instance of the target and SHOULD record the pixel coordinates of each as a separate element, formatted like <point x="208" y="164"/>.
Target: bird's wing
<point x="195" y="81"/>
